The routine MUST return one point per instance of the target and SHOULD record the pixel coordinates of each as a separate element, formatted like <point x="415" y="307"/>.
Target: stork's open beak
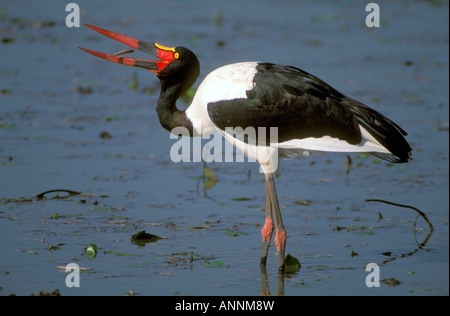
<point x="165" y="54"/>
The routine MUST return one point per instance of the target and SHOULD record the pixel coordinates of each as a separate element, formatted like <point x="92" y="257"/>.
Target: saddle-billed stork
<point x="307" y="114"/>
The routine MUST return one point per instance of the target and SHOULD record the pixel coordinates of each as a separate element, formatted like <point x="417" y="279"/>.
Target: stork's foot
<point x="266" y="233"/>
<point x="280" y="243"/>
<point x="264" y="258"/>
<point x="281" y="262"/>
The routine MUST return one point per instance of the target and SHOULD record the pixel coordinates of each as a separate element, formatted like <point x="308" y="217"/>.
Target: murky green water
<point x="70" y="121"/>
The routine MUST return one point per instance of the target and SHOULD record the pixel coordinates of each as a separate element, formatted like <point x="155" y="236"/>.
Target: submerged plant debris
<point x="84" y="160"/>
<point x="391" y="282"/>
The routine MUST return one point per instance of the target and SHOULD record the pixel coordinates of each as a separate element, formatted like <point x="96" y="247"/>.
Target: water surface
<point x="70" y="121"/>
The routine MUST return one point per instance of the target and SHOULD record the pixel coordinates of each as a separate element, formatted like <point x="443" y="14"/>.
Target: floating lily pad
<point x="7" y="40"/>
<point x="202" y="227"/>
<point x="369" y="233"/>
<point x="141" y="238"/>
<point x="91" y="251"/>
<point x="122" y="254"/>
<point x="391" y="282"/>
<point x="235" y="233"/>
<point x="319" y="267"/>
<point x="420" y="290"/>
<point x="241" y="199"/>
<point x="345" y="268"/>
<point x="291" y="264"/>
<point x="215" y="264"/>
<point x="139" y="265"/>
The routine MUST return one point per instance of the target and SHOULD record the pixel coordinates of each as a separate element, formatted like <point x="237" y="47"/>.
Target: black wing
<point x="301" y="105"/>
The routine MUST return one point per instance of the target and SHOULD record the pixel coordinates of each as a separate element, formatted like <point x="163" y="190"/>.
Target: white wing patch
<point x="327" y="143"/>
<point x="225" y="83"/>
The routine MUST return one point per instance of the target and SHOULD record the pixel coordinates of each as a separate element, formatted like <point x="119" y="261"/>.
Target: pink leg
<point x="280" y="235"/>
<point x="280" y="239"/>
<point x="267" y="229"/>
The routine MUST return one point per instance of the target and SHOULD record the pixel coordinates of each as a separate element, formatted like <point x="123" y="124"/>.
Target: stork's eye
<point x="177" y="55"/>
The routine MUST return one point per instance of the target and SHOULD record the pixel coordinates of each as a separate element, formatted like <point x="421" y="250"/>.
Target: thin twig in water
<point x="424" y="216"/>
<point x="420" y="213"/>
<point x="69" y="192"/>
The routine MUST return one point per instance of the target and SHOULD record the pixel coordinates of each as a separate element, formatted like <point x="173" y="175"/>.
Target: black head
<point x="183" y="70"/>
